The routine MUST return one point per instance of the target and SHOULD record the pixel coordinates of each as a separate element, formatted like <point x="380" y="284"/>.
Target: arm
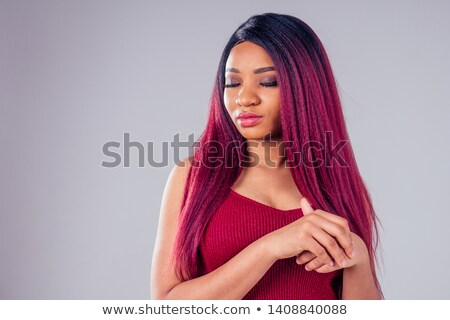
<point x="358" y="282"/>
<point x="230" y="281"/>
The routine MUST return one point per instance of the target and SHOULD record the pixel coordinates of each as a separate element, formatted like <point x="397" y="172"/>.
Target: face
<point x="252" y="94"/>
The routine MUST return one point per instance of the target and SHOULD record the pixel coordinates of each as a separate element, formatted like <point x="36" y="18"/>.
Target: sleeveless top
<point x="238" y="222"/>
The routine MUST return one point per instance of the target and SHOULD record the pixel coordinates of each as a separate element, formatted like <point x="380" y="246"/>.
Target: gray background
<point x="77" y="74"/>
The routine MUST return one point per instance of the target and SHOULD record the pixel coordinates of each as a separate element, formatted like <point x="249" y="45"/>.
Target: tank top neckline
<point x="263" y="204"/>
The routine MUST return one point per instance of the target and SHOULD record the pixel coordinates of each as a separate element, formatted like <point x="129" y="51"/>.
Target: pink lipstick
<point x="248" y="119"/>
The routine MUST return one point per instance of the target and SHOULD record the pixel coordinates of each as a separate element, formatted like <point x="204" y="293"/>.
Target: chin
<point x="258" y="136"/>
<point x="258" y="132"/>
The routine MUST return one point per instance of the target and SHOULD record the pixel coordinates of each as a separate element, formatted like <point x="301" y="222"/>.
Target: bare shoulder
<point x="163" y="276"/>
<point x="176" y="181"/>
<point x="174" y="189"/>
<point x="180" y="171"/>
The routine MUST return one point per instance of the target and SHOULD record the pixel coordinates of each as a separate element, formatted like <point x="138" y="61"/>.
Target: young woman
<point x="271" y="205"/>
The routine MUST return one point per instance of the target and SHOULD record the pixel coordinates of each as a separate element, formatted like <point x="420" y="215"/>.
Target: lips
<point x="248" y="115"/>
<point x="248" y="119"/>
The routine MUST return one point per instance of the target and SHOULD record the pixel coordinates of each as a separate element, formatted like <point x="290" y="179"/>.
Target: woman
<point x="237" y="219"/>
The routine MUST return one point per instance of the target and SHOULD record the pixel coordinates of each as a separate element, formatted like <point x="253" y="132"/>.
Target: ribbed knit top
<point x="238" y="222"/>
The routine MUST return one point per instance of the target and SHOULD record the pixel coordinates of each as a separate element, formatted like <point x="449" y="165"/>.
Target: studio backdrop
<point x="79" y="79"/>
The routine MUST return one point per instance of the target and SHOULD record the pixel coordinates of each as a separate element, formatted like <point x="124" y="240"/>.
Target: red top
<point x="240" y="221"/>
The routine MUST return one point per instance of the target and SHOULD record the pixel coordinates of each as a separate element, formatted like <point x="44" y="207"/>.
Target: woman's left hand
<point x="359" y="255"/>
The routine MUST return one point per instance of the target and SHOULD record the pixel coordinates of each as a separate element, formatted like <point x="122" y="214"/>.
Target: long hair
<point x="311" y="115"/>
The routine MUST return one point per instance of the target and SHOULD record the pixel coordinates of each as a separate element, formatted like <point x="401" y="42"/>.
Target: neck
<point x="266" y="153"/>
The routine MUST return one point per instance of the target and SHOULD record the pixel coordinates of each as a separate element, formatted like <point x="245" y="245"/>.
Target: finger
<point x="314" y="264"/>
<point x="336" y="230"/>
<point x="325" y="269"/>
<point x="319" y="251"/>
<point x="335" y="218"/>
<point x="305" y="257"/>
<point x="306" y="207"/>
<point x="330" y="244"/>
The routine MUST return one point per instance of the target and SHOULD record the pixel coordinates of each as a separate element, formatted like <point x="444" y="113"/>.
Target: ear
<point x="306" y="207"/>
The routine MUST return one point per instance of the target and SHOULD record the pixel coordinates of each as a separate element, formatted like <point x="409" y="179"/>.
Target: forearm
<point x="358" y="283"/>
<point x="232" y="280"/>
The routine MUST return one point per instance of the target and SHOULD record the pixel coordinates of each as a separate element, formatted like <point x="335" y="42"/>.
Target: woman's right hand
<point x="324" y="234"/>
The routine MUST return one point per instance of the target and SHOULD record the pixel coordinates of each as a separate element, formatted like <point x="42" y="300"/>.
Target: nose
<point x="247" y="97"/>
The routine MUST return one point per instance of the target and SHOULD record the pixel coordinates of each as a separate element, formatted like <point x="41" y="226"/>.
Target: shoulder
<point x="180" y="172"/>
<point x="176" y="182"/>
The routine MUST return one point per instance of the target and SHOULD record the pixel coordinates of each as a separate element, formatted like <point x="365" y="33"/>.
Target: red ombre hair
<point x="310" y="110"/>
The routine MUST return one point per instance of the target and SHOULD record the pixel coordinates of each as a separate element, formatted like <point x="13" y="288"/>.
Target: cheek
<point x="273" y="105"/>
<point x="275" y="115"/>
<point x="229" y="104"/>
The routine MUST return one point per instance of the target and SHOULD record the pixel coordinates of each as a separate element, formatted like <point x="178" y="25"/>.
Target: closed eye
<point x="264" y="84"/>
<point x="231" y="85"/>
<point x="269" y="84"/>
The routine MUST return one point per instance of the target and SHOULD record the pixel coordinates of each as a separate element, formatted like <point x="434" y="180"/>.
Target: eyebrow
<point x="256" y="71"/>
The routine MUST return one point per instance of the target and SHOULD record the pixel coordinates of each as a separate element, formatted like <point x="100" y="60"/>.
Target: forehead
<point x="247" y="55"/>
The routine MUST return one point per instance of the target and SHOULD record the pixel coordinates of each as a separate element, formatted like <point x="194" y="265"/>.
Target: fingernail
<point x="306" y="268"/>
<point x="331" y="264"/>
<point x="344" y="263"/>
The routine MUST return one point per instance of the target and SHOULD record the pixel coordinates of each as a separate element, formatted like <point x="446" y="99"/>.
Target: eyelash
<point x="264" y="84"/>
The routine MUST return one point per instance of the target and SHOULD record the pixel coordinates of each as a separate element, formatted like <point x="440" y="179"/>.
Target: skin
<point x="321" y="241"/>
<point x="249" y="92"/>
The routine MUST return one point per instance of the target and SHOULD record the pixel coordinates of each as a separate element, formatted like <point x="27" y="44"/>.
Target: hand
<point x="313" y="262"/>
<point x="325" y="235"/>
